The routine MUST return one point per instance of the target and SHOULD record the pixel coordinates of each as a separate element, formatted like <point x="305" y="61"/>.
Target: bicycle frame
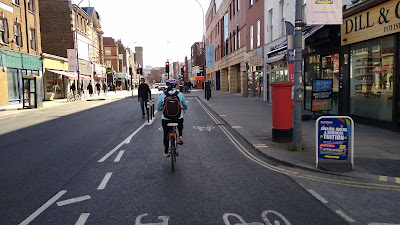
<point x="173" y="137"/>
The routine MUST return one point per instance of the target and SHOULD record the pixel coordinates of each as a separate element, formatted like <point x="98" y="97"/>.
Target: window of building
<point x="238" y="37"/>
<point x="234" y="41"/>
<point x="282" y="12"/>
<point x="230" y="42"/>
<point x="226" y="34"/>
<point x="30" y="5"/>
<point x="17" y="34"/>
<point x="251" y="37"/>
<point x="258" y="33"/>
<point x="270" y="31"/>
<point x="108" y="63"/>
<point x="372" y="78"/>
<point x="233" y="5"/>
<point x="230" y="11"/>
<point x="251" y="2"/>
<point x="107" y="51"/>
<point x="304" y="10"/>
<point x="238" y="5"/>
<point x="3" y="30"/>
<point x="32" y="38"/>
<point x="15" y="2"/>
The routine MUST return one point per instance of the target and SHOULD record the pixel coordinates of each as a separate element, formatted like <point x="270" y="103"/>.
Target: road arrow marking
<point x="73" y="200"/>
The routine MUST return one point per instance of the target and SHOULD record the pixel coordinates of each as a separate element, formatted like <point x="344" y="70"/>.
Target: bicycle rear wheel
<point x="173" y="152"/>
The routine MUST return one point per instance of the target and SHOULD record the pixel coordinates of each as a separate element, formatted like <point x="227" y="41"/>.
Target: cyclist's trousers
<point x="167" y="129"/>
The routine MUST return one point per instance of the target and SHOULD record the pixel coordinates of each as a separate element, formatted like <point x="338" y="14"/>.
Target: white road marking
<point x="209" y="128"/>
<point x="73" y="200"/>
<point x="118" y="158"/>
<point x="43" y="207"/>
<point x="384" y="224"/>
<point x="346" y="217"/>
<point x="104" y="181"/>
<point x="260" y="146"/>
<point x="236" y="127"/>
<point x="317" y="196"/>
<point x="126" y="141"/>
<point x="82" y="219"/>
<point x="164" y="220"/>
<point x="397" y="180"/>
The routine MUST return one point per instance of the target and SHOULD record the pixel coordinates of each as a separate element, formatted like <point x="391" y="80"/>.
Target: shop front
<point x="55" y="76"/>
<point x="255" y="73"/>
<point x="13" y="67"/>
<point x="321" y="58"/>
<point x="370" y="43"/>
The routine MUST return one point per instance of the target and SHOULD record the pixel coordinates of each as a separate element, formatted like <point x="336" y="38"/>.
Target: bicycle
<point x="173" y="141"/>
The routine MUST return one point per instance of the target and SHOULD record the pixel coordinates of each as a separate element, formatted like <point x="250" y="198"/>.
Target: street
<point x="99" y="162"/>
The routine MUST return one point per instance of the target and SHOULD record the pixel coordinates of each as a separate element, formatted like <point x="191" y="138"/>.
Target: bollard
<point x="148" y="116"/>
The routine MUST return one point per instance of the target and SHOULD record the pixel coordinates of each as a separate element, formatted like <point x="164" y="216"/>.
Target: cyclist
<point x="171" y="90"/>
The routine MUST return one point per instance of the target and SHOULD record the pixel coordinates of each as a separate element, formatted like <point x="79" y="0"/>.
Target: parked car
<point x="162" y="87"/>
<point x="156" y="85"/>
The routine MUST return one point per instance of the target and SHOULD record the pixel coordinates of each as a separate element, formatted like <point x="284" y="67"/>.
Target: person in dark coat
<point x="143" y="95"/>
<point x="98" y="86"/>
<point x="90" y="89"/>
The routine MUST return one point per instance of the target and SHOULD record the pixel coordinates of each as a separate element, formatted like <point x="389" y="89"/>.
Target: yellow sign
<point x="324" y="1"/>
<point x="332" y="157"/>
<point x="378" y="21"/>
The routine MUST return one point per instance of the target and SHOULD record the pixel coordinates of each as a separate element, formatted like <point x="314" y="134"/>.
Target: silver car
<point x="162" y="87"/>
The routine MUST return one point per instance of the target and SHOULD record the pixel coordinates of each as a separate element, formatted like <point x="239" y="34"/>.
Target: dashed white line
<point x="346" y="217"/>
<point x="317" y="196"/>
<point x="73" y="200"/>
<point x="104" y="181"/>
<point x="43" y="207"/>
<point x="82" y="219"/>
<point x="383" y="178"/>
<point x="118" y="158"/>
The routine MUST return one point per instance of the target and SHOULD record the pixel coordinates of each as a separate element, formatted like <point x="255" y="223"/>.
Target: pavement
<point x="376" y="150"/>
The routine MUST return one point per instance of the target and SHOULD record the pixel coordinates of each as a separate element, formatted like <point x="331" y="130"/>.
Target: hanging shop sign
<point x="335" y="138"/>
<point x="321" y="99"/>
<point x="324" y="12"/>
<point x="375" y="22"/>
<point x="210" y="55"/>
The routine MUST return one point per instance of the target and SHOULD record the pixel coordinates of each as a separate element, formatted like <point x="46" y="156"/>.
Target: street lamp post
<point x="204" y="52"/>
<point x="76" y="46"/>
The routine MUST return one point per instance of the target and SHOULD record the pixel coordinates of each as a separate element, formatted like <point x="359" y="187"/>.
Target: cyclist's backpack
<point x="172" y="106"/>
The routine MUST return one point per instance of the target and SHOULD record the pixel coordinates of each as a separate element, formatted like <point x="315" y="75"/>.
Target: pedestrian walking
<point x="98" y="88"/>
<point x="73" y="88"/>
<point x="104" y="88"/>
<point x="143" y="95"/>
<point x="90" y="89"/>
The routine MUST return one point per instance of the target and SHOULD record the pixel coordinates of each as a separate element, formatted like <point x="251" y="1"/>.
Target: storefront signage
<point x="252" y="54"/>
<point x="71" y="54"/>
<point x="334" y="137"/>
<point x="255" y="62"/>
<point x="324" y="12"/>
<point x="321" y="99"/>
<point x="378" y="21"/>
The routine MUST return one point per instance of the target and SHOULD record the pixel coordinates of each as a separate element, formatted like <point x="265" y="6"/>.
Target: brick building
<point x="155" y="75"/>
<point x="111" y="57"/>
<point x="20" y="51"/>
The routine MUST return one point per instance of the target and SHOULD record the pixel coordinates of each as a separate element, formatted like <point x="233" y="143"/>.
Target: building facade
<point x="20" y="40"/>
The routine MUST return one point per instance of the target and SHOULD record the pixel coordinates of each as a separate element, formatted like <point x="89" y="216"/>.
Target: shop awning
<point x="101" y="76"/>
<point x="69" y="75"/>
<point x="84" y="77"/>
<point x="197" y="78"/>
<point x="307" y="32"/>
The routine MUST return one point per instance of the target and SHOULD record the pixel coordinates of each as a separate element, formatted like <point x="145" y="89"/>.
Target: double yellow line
<point x="253" y="158"/>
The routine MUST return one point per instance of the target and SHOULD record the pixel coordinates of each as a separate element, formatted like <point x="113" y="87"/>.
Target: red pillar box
<point x="282" y="111"/>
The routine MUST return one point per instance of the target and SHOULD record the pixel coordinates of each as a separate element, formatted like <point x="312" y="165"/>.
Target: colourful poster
<point x="321" y="99"/>
<point x="333" y="138"/>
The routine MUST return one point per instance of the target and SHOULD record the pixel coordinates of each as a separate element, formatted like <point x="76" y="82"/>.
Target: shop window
<point x="13" y="84"/>
<point x="32" y="39"/>
<point x="17" y="34"/>
<point x="3" y="30"/>
<point x="371" y="78"/>
<point x="311" y="72"/>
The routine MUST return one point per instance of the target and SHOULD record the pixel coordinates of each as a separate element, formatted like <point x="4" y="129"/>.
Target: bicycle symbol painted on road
<point x="263" y="215"/>
<point x="208" y="128"/>
<point x="164" y="220"/>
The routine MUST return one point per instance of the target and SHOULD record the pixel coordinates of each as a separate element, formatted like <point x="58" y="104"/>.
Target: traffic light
<point x="167" y="67"/>
<point x="182" y="71"/>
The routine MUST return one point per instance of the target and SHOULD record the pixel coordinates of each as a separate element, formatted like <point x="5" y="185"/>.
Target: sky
<point x="166" y="29"/>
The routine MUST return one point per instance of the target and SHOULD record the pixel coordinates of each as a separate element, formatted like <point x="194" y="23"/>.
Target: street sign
<point x="334" y="138"/>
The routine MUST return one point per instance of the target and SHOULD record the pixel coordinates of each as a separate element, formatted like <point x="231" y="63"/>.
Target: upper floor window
<point x="108" y="63"/>
<point x="251" y="2"/>
<point x="238" y="5"/>
<point x="258" y="33"/>
<point x="282" y="12"/>
<point x="30" y="5"/>
<point x="3" y="30"/>
<point x="271" y="27"/>
<point x="251" y="37"/>
<point x="17" y="34"/>
<point x="15" y="2"/>
<point x="32" y="38"/>
<point x="108" y="51"/>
